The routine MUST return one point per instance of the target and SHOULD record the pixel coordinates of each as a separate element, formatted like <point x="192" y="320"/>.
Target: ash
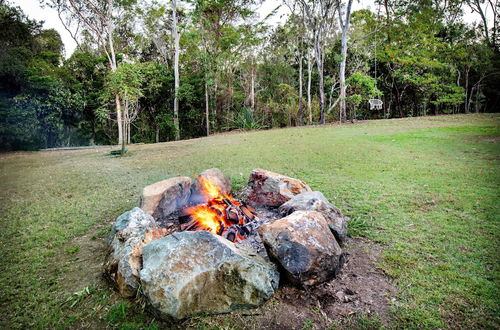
<point x="253" y="241"/>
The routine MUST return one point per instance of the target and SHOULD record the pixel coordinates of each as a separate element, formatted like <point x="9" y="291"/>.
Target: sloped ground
<point x="423" y="191"/>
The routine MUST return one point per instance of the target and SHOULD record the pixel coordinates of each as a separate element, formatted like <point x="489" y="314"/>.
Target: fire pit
<point x="221" y="214"/>
<point x="192" y="247"/>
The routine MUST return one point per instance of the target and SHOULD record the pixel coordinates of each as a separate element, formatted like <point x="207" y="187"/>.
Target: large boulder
<point x="215" y="177"/>
<point x="273" y="189"/>
<point x="316" y="201"/>
<point x="123" y="260"/>
<point x="304" y="246"/>
<point x="189" y="273"/>
<point x="162" y="198"/>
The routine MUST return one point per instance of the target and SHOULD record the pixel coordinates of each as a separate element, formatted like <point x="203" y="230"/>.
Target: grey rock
<point x="304" y="246"/>
<point x="123" y="260"/>
<point x="215" y="176"/>
<point x="316" y="201"/>
<point x="189" y="273"/>
<point x="272" y="189"/>
<point x="162" y="198"/>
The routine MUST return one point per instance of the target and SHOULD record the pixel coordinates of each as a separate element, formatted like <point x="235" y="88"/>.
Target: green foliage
<point x="127" y="81"/>
<point x="361" y="88"/>
<point x="419" y="59"/>
<point x="37" y="107"/>
<point x="245" y="120"/>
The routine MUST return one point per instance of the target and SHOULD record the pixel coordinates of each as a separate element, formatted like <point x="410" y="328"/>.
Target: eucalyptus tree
<point x="490" y="27"/>
<point x="228" y="33"/>
<point x="318" y="16"/>
<point x="176" y="37"/>
<point x="344" y="22"/>
<point x="156" y="26"/>
<point x="99" y="18"/>
<point x="127" y="81"/>
<point x="300" y="47"/>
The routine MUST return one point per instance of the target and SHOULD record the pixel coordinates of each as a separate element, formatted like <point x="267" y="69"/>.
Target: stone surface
<point x="273" y="189"/>
<point x="162" y="198"/>
<point x="123" y="260"/>
<point x="316" y="201"/>
<point x="304" y="246"/>
<point x="189" y="273"/>
<point x="215" y="176"/>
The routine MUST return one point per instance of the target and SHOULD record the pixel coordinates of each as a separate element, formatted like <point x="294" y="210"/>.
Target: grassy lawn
<point x="427" y="189"/>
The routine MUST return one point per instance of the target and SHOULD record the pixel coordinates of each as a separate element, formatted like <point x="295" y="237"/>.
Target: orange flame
<point x="212" y="215"/>
<point x="207" y="218"/>
<point x="209" y="188"/>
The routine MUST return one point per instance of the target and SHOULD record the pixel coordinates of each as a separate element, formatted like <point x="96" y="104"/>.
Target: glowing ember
<point x="221" y="215"/>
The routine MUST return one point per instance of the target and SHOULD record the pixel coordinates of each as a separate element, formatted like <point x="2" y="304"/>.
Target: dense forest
<point x="152" y="71"/>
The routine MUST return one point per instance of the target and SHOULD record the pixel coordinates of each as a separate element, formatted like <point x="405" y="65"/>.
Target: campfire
<point x="221" y="214"/>
<point x="193" y="248"/>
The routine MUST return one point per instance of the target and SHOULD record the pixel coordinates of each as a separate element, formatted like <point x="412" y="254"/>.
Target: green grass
<point x="426" y="188"/>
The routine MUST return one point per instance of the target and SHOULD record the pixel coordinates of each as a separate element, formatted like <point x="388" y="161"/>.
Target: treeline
<point x="147" y="71"/>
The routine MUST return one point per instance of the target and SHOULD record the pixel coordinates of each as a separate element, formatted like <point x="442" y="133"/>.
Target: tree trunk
<point x="476" y="104"/>
<point x="252" y="87"/>
<point x="119" y="119"/>
<point x="309" y="74"/>
<point x="480" y="11"/>
<point x="467" y="90"/>
<point x="157" y="135"/>
<point x="122" y="125"/>
<point x="128" y="132"/>
<point x="207" y="108"/>
<point x="342" y="111"/>
<point x="398" y="100"/>
<point x="113" y="65"/>
<point x="319" y="65"/>
<point x="344" y="24"/>
<point x="175" y="34"/>
<point x="301" y="110"/>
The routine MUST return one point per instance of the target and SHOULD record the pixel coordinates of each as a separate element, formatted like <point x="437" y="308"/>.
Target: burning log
<point x="222" y="215"/>
<point x="248" y="211"/>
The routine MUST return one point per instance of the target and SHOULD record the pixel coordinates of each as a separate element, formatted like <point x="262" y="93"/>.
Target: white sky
<point x="33" y="9"/>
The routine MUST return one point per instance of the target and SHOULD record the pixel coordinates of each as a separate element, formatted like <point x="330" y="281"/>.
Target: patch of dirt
<point x="360" y="289"/>
<point x="86" y="263"/>
<point x="486" y="138"/>
<point x="84" y="269"/>
<point x="426" y="202"/>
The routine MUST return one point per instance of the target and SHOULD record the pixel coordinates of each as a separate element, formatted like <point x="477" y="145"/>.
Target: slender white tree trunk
<point x="119" y="119"/>
<point x="309" y="74"/>
<point x="114" y="66"/>
<point x="301" y="109"/>
<point x="175" y="34"/>
<point x="252" y="87"/>
<point x="342" y="113"/>
<point x="128" y="132"/>
<point x="344" y="24"/>
<point x="319" y="64"/>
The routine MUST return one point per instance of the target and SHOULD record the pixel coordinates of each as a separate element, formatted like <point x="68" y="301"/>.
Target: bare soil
<point x="360" y="289"/>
